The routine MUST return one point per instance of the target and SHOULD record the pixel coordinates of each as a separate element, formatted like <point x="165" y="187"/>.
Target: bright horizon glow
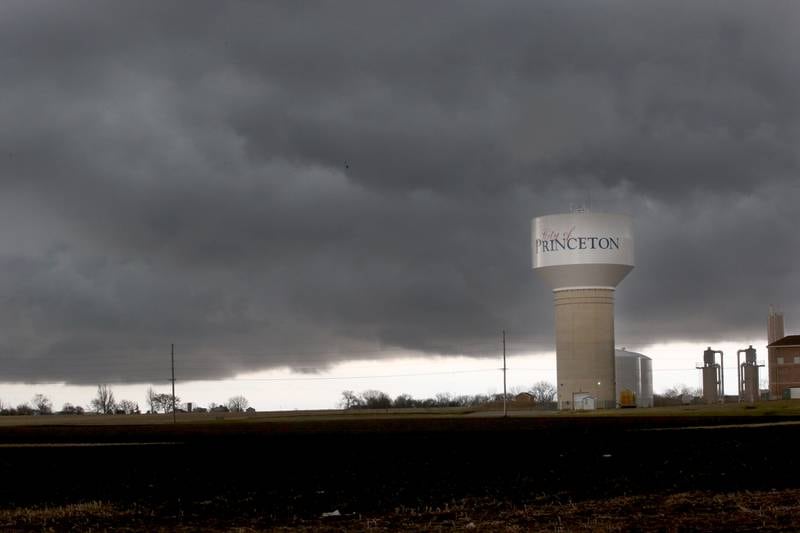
<point x="421" y="377"/>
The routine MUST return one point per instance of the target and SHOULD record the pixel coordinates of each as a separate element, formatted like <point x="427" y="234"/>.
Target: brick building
<point x="784" y="365"/>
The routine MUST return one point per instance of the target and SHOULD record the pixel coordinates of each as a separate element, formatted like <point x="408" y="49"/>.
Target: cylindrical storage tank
<point x="634" y="372"/>
<point x="646" y="397"/>
<point x="628" y="374"/>
<point x="583" y="256"/>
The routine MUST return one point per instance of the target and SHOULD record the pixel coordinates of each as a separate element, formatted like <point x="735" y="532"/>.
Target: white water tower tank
<point x="583" y="256"/>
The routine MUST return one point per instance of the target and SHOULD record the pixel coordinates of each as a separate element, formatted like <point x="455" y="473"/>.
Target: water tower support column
<point x="584" y="320"/>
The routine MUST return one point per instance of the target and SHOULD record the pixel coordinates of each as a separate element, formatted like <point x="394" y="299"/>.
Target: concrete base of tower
<point x="584" y="320"/>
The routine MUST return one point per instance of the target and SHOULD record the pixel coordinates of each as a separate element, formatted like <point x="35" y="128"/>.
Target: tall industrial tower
<point x="775" y="332"/>
<point x="774" y="326"/>
<point x="583" y="257"/>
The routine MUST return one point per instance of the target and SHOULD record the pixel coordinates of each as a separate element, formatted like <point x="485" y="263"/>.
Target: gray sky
<point x="305" y="183"/>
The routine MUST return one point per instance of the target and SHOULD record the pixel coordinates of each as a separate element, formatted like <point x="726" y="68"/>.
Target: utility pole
<point x="172" y="358"/>
<point x="505" y="396"/>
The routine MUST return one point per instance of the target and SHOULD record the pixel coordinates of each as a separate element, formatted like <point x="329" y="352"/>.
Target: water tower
<point x="583" y="256"/>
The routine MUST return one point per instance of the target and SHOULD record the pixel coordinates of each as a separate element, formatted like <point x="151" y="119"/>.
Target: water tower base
<point x="584" y="320"/>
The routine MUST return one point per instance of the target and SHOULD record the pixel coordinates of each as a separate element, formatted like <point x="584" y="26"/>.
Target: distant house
<point x="220" y="409"/>
<point x="524" y="397"/>
<point x="250" y="410"/>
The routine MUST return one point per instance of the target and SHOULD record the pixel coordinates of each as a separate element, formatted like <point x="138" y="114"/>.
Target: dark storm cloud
<point x="297" y="184"/>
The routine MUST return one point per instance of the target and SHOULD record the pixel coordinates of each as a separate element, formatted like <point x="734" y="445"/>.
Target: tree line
<point x="678" y="395"/>
<point x="105" y="403"/>
<point x="542" y="392"/>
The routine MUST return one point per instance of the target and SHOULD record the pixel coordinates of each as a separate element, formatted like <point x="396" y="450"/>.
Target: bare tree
<point x="160" y="402"/>
<point x="350" y="400"/>
<point x="678" y="391"/>
<point x="543" y="391"/>
<point x="103" y="403"/>
<point x="150" y="399"/>
<point x="42" y="404"/>
<point x="238" y="404"/>
<point x="375" y="399"/>
<point x="445" y="399"/>
<point x="24" y="409"/>
<point x="402" y="401"/>
<point x="69" y="409"/>
<point x="128" y="407"/>
<point x="479" y="399"/>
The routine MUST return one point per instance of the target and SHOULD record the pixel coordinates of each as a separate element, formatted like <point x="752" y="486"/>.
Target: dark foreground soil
<point x="552" y="474"/>
<point x="692" y="511"/>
